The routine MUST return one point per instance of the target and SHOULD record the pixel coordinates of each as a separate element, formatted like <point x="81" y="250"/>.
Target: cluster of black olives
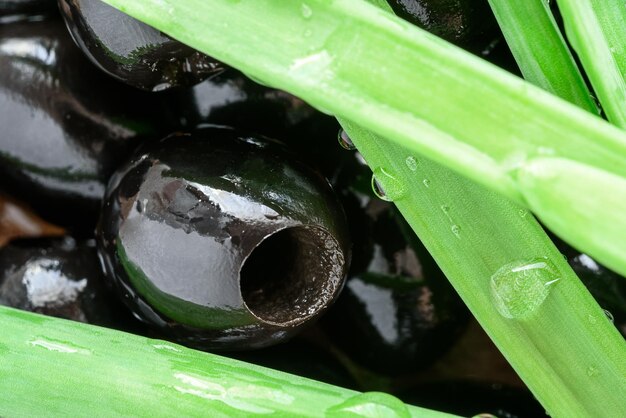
<point x="185" y="221"/>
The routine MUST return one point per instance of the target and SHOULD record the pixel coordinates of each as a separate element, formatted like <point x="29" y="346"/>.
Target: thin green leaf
<point x="513" y="279"/>
<point x="597" y="32"/>
<point x="544" y="58"/>
<point x="53" y="367"/>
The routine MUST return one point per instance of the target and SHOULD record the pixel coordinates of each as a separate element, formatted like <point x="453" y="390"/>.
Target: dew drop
<point x="456" y="230"/>
<point x="306" y="11"/>
<point x="345" y="141"/>
<point x="522" y="213"/>
<point x="484" y="415"/>
<point x="411" y="163"/>
<point x="426" y="182"/>
<point x="386" y="186"/>
<point x="370" y="405"/>
<point x="445" y="208"/>
<point x="592" y="371"/>
<point x="519" y="288"/>
<point x="609" y="315"/>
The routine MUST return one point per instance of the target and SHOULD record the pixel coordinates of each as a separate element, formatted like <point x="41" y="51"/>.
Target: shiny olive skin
<point x="65" y="125"/>
<point x="16" y="9"/>
<point x="458" y="21"/>
<point x="62" y="278"/>
<point x="222" y="240"/>
<point x="397" y="312"/>
<point x="232" y="99"/>
<point x="470" y="398"/>
<point x="132" y="51"/>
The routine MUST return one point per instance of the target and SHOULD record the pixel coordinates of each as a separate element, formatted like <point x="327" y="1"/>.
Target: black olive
<point x="232" y="99"/>
<point x="397" y="312"/>
<point x="12" y="10"/>
<point x="475" y="399"/>
<point x="221" y="240"/>
<point x="59" y="278"/>
<point x="132" y="51"/>
<point x="65" y="125"/>
<point x="458" y="21"/>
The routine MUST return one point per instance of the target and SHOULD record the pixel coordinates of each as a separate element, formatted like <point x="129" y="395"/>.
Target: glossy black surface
<point x="397" y="312"/>
<point x="458" y="21"/>
<point x="61" y="278"/>
<point x="65" y="125"/>
<point x="223" y="241"/>
<point x="132" y="51"/>
<point x="469" y="399"/>
<point x="11" y="10"/>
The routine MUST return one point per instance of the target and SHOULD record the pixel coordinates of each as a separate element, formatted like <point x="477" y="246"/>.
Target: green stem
<point x="541" y="53"/>
<point x="53" y="367"/>
<point x="597" y="30"/>
<point x="364" y="64"/>
<point x="514" y="280"/>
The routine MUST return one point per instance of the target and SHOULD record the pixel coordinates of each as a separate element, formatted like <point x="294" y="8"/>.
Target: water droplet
<point x="445" y="208"/>
<point x="592" y="371"/>
<point x="609" y="315"/>
<point x="522" y="213"/>
<point x="370" y="405"/>
<point x="345" y="141"/>
<point x="484" y="415"/>
<point x="521" y="287"/>
<point x="426" y="182"/>
<point x="386" y="186"/>
<point x="306" y="11"/>
<point x="412" y="163"/>
<point x="456" y="230"/>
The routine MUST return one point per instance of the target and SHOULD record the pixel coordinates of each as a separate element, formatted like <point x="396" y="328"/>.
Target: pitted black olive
<point x="397" y="312"/>
<point x="458" y="21"/>
<point x="65" y="125"/>
<point x="59" y="278"/>
<point x="11" y="10"/>
<point x="223" y="241"/>
<point x="132" y="51"/>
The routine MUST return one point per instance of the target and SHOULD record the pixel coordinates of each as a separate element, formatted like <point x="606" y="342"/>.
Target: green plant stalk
<point x="554" y="335"/>
<point x="540" y="51"/>
<point x="436" y="99"/>
<point x="53" y="367"/>
<point x="597" y="29"/>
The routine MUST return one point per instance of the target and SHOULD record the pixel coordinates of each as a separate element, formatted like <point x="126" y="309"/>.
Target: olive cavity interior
<point x="291" y="275"/>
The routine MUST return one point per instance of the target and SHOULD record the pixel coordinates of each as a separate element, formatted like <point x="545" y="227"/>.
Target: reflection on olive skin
<point x="221" y="240"/>
<point x="132" y="51"/>
<point x="397" y="312"/>
<point x="59" y="278"/>
<point x="65" y="126"/>
<point x="457" y="21"/>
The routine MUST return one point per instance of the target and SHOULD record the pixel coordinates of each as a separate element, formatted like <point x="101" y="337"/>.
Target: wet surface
<point x="397" y="312"/>
<point x="132" y="51"/>
<point x="60" y="277"/>
<point x="187" y="213"/>
<point x="65" y="126"/>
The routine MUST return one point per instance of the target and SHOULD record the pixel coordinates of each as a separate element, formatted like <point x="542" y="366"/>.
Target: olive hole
<point x="292" y="275"/>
